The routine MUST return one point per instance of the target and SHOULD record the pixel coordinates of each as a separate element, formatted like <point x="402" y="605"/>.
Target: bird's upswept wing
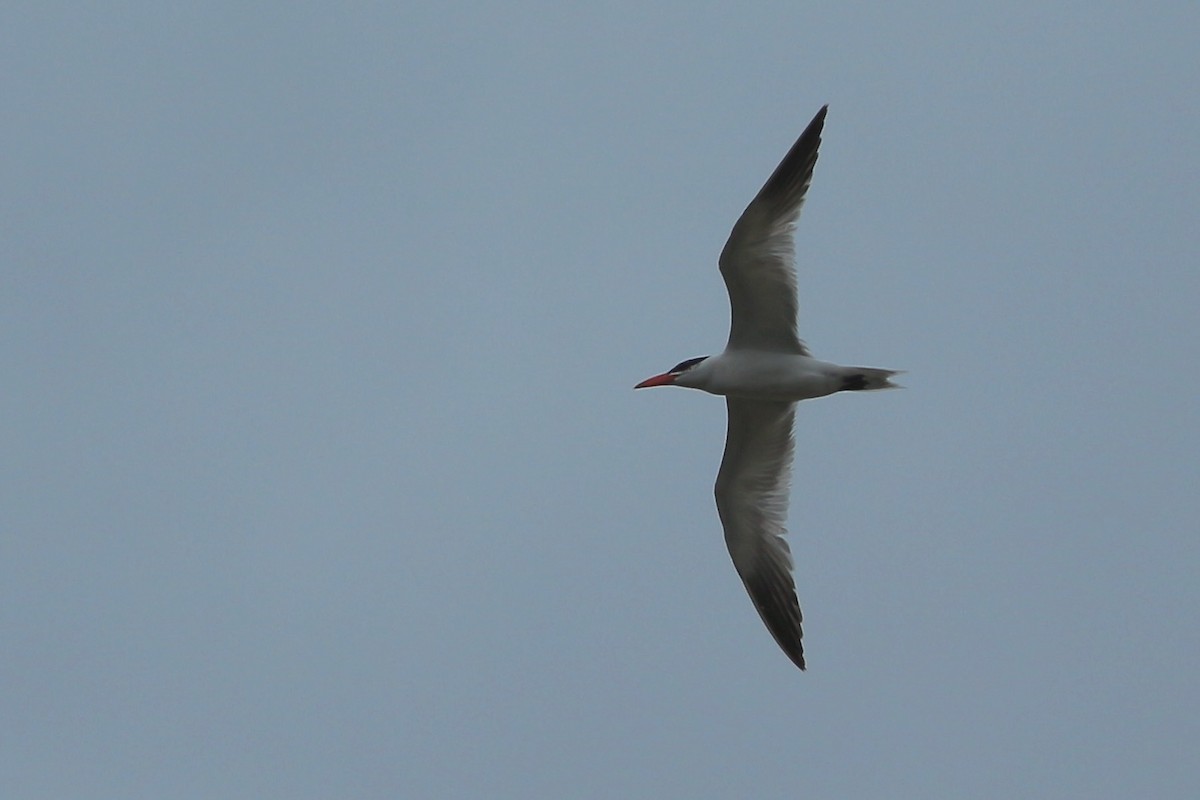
<point x="752" y="500"/>
<point x="758" y="261"/>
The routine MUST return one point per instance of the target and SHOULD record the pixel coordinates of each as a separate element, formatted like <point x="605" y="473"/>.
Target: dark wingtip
<point x="797" y="658"/>
<point x="819" y="117"/>
<point x="813" y="129"/>
<point x="774" y="598"/>
<point x="791" y="178"/>
<point x="794" y="649"/>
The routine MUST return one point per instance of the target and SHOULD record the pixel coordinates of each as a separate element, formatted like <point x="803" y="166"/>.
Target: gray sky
<point x="322" y="471"/>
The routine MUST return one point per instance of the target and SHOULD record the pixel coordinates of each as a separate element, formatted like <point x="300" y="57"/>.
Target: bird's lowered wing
<point x="752" y="500"/>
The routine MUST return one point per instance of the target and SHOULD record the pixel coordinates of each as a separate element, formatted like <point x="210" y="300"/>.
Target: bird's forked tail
<point x="865" y="379"/>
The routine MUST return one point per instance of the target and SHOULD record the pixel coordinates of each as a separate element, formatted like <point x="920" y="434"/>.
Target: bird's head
<point x="675" y="376"/>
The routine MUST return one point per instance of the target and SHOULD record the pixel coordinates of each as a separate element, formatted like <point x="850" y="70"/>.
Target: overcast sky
<point x="323" y="476"/>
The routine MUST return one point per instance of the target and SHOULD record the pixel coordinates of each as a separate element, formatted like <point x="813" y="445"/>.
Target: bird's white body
<point x="764" y="375"/>
<point x="763" y="371"/>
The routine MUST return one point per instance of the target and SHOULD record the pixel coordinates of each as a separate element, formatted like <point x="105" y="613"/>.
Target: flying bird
<point x="763" y="372"/>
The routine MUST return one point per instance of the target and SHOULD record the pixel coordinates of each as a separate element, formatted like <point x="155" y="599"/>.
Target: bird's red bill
<point x="666" y="379"/>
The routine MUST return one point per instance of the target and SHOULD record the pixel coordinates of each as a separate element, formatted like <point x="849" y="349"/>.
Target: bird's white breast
<point x="765" y="375"/>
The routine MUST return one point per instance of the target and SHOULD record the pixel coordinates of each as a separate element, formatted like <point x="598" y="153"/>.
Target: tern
<point x="763" y="372"/>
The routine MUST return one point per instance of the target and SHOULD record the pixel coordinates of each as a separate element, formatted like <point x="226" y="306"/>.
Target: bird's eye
<point x="684" y="366"/>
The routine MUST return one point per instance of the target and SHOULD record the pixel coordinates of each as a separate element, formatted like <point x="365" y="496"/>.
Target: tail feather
<point x="865" y="379"/>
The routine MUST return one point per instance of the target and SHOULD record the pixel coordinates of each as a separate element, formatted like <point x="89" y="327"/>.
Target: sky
<point x="322" y="472"/>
